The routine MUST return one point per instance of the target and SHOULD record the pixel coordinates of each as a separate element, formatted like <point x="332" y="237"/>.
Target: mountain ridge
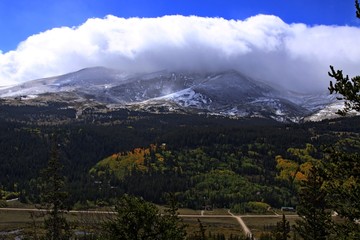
<point x="228" y="93"/>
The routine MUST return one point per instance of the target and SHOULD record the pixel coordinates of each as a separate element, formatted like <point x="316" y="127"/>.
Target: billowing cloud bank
<point x="262" y="46"/>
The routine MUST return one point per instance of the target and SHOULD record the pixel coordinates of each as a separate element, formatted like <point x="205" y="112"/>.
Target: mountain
<point x="227" y="93"/>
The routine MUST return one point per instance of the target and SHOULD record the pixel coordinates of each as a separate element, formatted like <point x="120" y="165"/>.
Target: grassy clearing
<point x="226" y="226"/>
<point x="12" y="220"/>
<point x="17" y="204"/>
<point x="88" y="222"/>
<point x="257" y="225"/>
<point x="278" y="211"/>
<point x="187" y="211"/>
<point x="219" y="211"/>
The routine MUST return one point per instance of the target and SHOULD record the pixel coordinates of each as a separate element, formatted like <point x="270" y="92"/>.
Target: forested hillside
<point x="204" y="160"/>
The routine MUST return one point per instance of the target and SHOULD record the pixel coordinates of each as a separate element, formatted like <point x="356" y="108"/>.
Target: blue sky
<point x="20" y="19"/>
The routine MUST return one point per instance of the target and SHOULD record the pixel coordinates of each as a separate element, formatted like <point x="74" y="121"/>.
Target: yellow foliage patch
<point x="288" y="168"/>
<point x="123" y="163"/>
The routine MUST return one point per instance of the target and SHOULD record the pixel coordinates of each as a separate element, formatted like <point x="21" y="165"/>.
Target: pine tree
<point x="140" y="220"/>
<point x="342" y="169"/>
<point x="282" y="231"/>
<point x="342" y="174"/>
<point x="172" y="226"/>
<point x="53" y="197"/>
<point x="202" y="230"/>
<point x="315" y="218"/>
<point x="349" y="89"/>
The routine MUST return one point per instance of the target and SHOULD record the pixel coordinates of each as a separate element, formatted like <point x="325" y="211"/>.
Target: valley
<point x="212" y="141"/>
<point x="205" y="160"/>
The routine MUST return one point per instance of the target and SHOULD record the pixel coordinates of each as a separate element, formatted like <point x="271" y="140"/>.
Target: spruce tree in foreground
<point x="282" y="231"/>
<point x="315" y="223"/>
<point x="349" y="89"/>
<point x="53" y="197"/>
<point x="342" y="168"/>
<point x="137" y="219"/>
<point x="342" y="173"/>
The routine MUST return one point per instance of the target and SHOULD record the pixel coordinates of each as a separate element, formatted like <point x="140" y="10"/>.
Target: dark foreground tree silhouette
<point x="53" y="197"/>
<point x="342" y="184"/>
<point x="282" y="230"/>
<point x="342" y="167"/>
<point x="137" y="219"/>
<point x="348" y="88"/>
<point x="315" y="222"/>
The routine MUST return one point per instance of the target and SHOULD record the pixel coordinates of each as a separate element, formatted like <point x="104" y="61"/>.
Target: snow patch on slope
<point x="329" y="112"/>
<point x="188" y="98"/>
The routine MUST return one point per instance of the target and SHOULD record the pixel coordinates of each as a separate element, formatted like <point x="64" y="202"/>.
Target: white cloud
<point x="262" y="46"/>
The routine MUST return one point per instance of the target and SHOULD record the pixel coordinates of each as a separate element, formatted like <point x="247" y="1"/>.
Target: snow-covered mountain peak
<point x="227" y="93"/>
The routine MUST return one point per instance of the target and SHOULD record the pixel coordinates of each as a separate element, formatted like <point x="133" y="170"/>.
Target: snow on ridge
<point x="185" y="98"/>
<point x="329" y="112"/>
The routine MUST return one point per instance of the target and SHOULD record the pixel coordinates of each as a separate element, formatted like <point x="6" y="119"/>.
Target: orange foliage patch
<point x="300" y="176"/>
